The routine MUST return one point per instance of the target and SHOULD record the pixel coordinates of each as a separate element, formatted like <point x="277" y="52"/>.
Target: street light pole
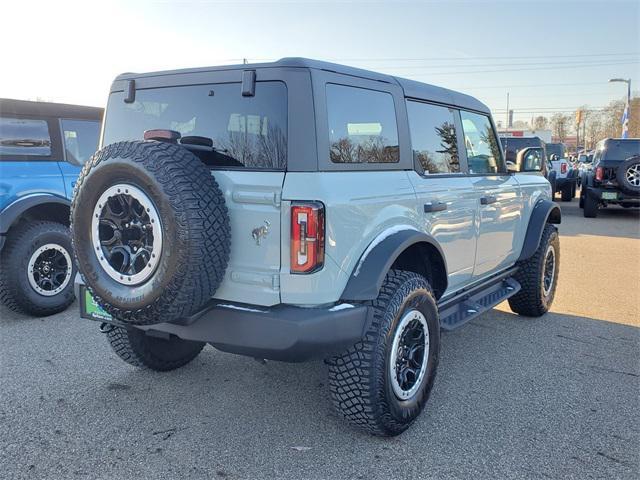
<point x="627" y="117"/>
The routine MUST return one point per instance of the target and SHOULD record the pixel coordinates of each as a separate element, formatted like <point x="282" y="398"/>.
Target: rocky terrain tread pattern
<point x="529" y="300"/>
<point x="133" y="351"/>
<point x="202" y="218"/>
<point x="10" y="268"/>
<point x="356" y="377"/>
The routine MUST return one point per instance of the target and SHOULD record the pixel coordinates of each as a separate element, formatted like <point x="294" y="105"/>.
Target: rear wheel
<point x="383" y="382"/>
<point x="141" y="350"/>
<point x="567" y="192"/>
<point x="36" y="268"/>
<point x="590" y="206"/>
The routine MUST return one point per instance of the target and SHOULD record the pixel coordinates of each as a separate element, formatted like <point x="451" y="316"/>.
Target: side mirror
<point x="530" y="160"/>
<point x="512" y="167"/>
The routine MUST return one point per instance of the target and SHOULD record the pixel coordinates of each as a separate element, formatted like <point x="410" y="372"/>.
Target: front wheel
<point x="538" y="277"/>
<point x="383" y="382"/>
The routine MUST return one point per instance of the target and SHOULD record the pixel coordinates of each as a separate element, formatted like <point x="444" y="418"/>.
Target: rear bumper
<point x="621" y="197"/>
<point x="561" y="182"/>
<point x="283" y="332"/>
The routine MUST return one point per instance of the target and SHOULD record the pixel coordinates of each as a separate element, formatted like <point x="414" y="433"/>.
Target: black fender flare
<point x="13" y="211"/>
<point x="372" y="267"/>
<point x="544" y="211"/>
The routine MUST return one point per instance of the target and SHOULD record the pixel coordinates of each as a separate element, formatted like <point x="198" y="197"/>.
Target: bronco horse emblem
<point x="259" y="233"/>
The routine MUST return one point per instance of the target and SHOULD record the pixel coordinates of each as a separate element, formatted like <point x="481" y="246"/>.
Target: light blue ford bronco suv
<point x="301" y="209"/>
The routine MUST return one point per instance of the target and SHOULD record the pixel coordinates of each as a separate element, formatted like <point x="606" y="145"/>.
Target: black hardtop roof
<point x="609" y="140"/>
<point x="411" y="88"/>
<point x="48" y="109"/>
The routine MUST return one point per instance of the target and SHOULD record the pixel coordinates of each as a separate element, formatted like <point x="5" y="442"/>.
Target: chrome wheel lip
<point x="156" y="229"/>
<point x="633" y="175"/>
<point x="549" y="270"/>
<point x="407" y="318"/>
<point x="32" y="262"/>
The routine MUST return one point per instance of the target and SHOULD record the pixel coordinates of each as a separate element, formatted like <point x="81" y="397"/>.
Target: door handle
<point x="488" y="200"/>
<point x="435" y="207"/>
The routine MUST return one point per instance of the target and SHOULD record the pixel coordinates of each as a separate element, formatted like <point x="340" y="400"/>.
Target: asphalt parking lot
<point x="554" y="397"/>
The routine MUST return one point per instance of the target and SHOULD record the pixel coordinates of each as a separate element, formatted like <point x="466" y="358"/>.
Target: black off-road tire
<point x="195" y="229"/>
<point x="621" y="175"/>
<point x="567" y="192"/>
<point x="15" y="290"/>
<point x="358" y="378"/>
<point x="590" y="206"/>
<point x="144" y="351"/>
<point x="531" y="300"/>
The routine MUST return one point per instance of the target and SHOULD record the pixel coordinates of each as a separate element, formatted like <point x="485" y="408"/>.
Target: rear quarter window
<point x="246" y="132"/>
<point x="362" y="125"/>
<point x="80" y="139"/>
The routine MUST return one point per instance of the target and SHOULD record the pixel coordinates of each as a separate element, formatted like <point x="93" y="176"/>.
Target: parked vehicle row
<point x="42" y="148"/>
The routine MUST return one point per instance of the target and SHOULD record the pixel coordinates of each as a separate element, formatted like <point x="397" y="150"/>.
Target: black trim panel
<point x="540" y="215"/>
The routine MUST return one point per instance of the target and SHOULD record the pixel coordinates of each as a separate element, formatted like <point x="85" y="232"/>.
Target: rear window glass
<point x="246" y="132"/>
<point x="512" y="145"/>
<point x="21" y="136"/>
<point x="555" y="149"/>
<point x="362" y="125"/>
<point x="621" y="149"/>
<point x="80" y="139"/>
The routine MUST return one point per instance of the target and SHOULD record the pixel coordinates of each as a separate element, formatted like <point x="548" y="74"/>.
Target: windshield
<point x="556" y="149"/>
<point x="512" y="145"/>
<point x="247" y="132"/>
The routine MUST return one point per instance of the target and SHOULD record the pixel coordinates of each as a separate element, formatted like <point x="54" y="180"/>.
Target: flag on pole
<point x="625" y="118"/>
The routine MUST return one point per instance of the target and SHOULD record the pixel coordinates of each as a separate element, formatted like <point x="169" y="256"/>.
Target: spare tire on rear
<point x="628" y="175"/>
<point x="151" y="231"/>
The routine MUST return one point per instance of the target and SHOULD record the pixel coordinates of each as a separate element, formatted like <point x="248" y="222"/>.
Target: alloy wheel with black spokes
<point x="549" y="270"/>
<point x="49" y="269"/>
<point x="127" y="234"/>
<point x="409" y="354"/>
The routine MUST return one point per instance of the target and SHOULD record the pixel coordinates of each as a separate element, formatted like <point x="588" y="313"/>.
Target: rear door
<point x="29" y="151"/>
<point x="249" y="132"/>
<point x="497" y="193"/>
<point x="80" y="140"/>
<point x="445" y="194"/>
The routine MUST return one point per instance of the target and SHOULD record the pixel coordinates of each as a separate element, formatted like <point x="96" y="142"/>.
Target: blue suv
<point x="42" y="149"/>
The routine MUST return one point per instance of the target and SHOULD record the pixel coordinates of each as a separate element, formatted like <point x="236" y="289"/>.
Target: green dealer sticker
<point x="93" y="309"/>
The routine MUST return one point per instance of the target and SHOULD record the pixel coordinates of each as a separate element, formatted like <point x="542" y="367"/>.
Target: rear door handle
<point x="435" y="207"/>
<point x="488" y="200"/>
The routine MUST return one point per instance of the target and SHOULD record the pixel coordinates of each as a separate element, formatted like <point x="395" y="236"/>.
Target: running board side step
<point x="456" y="313"/>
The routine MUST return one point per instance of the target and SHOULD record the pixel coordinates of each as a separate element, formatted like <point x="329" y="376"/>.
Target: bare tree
<point x="560" y="125"/>
<point x="540" y="123"/>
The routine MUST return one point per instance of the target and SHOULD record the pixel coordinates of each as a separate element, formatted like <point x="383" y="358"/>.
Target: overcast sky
<point x="548" y="55"/>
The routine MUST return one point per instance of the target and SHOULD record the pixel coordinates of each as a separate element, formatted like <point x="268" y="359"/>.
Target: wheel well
<point x="554" y="216"/>
<point x="54" y="212"/>
<point x="424" y="259"/>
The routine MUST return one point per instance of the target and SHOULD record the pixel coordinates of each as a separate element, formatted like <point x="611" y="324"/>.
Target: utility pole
<point x="507" y="123"/>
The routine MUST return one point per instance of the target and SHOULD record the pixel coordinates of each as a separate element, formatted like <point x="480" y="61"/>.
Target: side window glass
<point x="483" y="151"/>
<point x="362" y="125"/>
<point x="21" y="136"/>
<point x="433" y="138"/>
<point x="80" y="139"/>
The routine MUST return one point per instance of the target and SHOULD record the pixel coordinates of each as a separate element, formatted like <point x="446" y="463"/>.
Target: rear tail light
<point x="599" y="173"/>
<point x="563" y="168"/>
<point x="307" y="237"/>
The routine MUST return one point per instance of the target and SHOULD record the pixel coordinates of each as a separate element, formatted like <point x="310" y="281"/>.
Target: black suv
<point x="615" y="178"/>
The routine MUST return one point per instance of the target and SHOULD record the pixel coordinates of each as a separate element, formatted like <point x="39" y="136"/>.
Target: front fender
<point x="375" y="262"/>
<point x="545" y="211"/>
<point x="13" y="211"/>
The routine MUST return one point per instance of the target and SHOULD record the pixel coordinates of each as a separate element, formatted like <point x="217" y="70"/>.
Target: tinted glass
<point x="433" y="138"/>
<point x="621" y="149"/>
<point x="555" y="149"/>
<point x="247" y="132"/>
<point x="362" y="125"/>
<point x="512" y="145"/>
<point x="80" y="139"/>
<point x="483" y="151"/>
<point x="21" y="136"/>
